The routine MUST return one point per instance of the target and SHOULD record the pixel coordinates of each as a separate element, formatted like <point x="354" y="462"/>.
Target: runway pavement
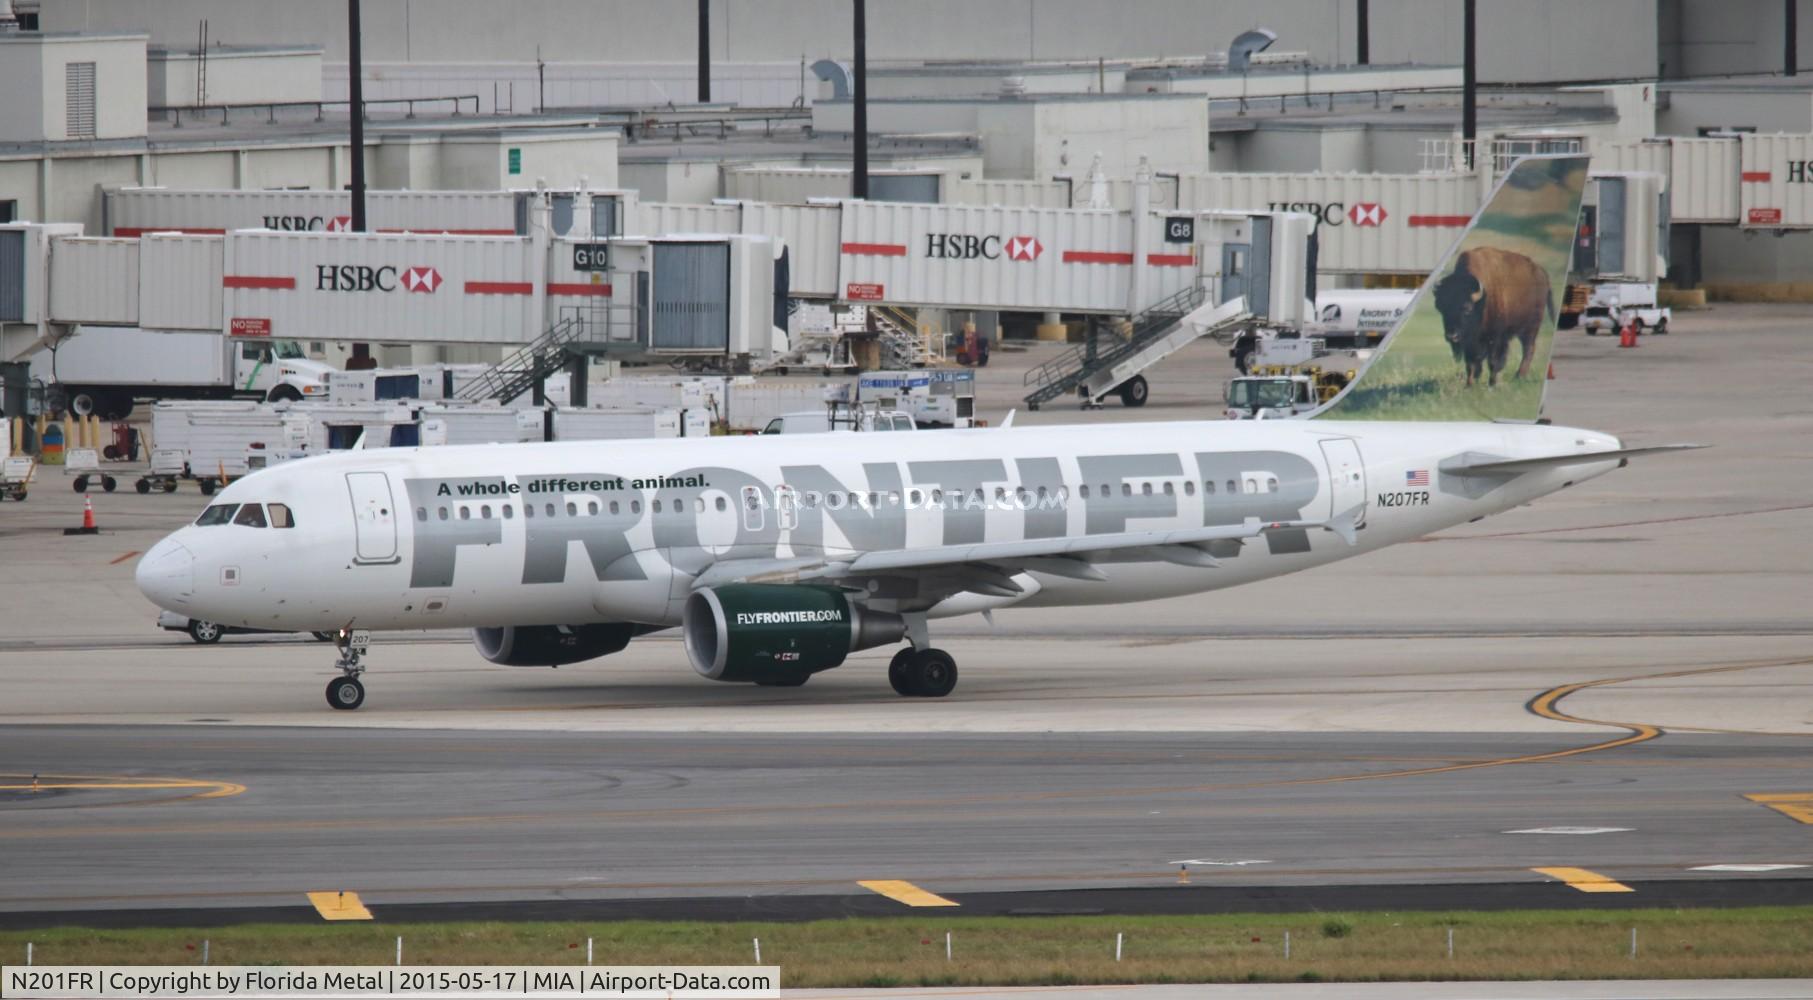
<point x="259" y="817"/>
<point x="1634" y="656"/>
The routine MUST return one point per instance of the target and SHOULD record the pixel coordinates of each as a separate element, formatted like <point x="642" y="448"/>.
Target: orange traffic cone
<point x="88" y="525"/>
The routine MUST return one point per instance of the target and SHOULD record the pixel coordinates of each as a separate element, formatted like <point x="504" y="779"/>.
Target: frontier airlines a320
<point x="778" y="556"/>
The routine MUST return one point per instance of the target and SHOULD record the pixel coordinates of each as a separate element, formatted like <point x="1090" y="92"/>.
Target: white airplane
<point x="780" y="555"/>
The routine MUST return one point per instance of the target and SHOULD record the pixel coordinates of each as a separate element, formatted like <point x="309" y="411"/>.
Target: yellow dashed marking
<point x="339" y="906"/>
<point x="905" y="892"/>
<point x="65" y="782"/>
<point x="1794" y="805"/>
<point x="1585" y="881"/>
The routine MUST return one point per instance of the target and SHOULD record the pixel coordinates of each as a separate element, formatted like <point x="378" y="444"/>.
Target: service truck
<point x="1613" y="305"/>
<point x="1350" y="318"/>
<point x="1269" y="393"/>
<point x="933" y="397"/>
<point x="103" y="371"/>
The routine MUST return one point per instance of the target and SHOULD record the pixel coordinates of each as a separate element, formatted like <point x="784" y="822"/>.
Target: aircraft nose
<point x="166" y="575"/>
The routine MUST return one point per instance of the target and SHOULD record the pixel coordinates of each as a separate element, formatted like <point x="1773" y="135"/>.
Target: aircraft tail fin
<point x="1475" y="341"/>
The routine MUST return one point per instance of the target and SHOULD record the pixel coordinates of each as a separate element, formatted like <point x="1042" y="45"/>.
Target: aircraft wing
<point x="989" y="567"/>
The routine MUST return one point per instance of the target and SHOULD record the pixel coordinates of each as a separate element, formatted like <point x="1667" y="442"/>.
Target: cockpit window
<point x="250" y="515"/>
<point x="220" y="513"/>
<point x="280" y="515"/>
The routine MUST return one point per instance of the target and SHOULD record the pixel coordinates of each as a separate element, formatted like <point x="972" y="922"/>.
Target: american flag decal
<point x="1416" y="477"/>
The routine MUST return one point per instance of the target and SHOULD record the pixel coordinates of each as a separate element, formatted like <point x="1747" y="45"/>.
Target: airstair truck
<point x="102" y="370"/>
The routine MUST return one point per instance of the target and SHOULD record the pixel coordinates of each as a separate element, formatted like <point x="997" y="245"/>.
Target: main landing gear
<point x="346" y="693"/>
<point x="922" y="673"/>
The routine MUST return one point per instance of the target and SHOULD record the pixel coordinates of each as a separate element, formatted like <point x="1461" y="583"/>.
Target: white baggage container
<point x="171" y="427"/>
<point x="698" y="393"/>
<point x="454" y="425"/>
<point x="695" y="423"/>
<point x="339" y="426"/>
<point x="615" y="424"/>
<point x="374" y="385"/>
<point x="222" y="441"/>
<point x="747" y="403"/>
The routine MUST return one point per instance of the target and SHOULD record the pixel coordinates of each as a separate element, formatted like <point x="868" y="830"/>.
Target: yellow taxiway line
<point x="1583" y="880"/>
<point x="1794" y="805"/>
<point x="66" y="782"/>
<point x="906" y="892"/>
<point x="339" y="906"/>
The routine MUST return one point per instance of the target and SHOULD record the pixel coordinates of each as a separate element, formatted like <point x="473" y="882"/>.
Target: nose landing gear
<point x="346" y="693"/>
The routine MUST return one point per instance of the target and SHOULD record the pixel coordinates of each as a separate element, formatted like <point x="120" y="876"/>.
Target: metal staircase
<point x="1103" y="361"/>
<point x="523" y="370"/>
<point x="902" y="345"/>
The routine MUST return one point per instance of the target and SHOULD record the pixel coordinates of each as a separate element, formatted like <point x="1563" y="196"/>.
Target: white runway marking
<point x="1578" y="831"/>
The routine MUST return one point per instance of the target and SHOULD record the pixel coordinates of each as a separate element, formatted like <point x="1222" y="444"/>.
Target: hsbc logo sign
<point x="1337" y="213"/>
<point x="309" y="223"/>
<point x="365" y="278"/>
<point x="1024" y="248"/>
<point x="421" y="279"/>
<point x="956" y="246"/>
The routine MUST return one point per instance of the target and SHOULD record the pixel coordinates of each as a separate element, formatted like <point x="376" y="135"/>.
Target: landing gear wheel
<point x="783" y="681"/>
<point x="933" y="673"/>
<point x="897" y="672"/>
<point x="1134" y="391"/>
<point x="345" y="693"/>
<point x="204" y="632"/>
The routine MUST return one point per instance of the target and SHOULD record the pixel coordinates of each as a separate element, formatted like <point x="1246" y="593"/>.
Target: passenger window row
<point x="571" y="508"/>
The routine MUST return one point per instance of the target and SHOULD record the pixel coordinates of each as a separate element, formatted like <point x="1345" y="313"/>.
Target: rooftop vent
<point x="1241" y="51"/>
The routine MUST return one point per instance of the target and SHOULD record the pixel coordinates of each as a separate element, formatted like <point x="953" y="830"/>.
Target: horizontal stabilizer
<point x="1516" y="465"/>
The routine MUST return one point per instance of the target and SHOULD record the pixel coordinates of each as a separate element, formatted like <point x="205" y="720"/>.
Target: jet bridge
<point x="634" y="297"/>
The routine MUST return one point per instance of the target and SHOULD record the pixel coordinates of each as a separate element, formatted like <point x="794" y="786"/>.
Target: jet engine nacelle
<point x="552" y="645"/>
<point x="774" y="631"/>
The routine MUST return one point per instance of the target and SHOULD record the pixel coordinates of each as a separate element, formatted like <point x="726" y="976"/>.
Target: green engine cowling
<point x="748" y="632"/>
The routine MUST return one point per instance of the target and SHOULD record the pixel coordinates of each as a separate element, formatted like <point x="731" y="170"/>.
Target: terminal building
<point x="212" y="117"/>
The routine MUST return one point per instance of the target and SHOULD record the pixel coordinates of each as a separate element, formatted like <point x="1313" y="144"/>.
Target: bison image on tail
<point x="1491" y="298"/>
